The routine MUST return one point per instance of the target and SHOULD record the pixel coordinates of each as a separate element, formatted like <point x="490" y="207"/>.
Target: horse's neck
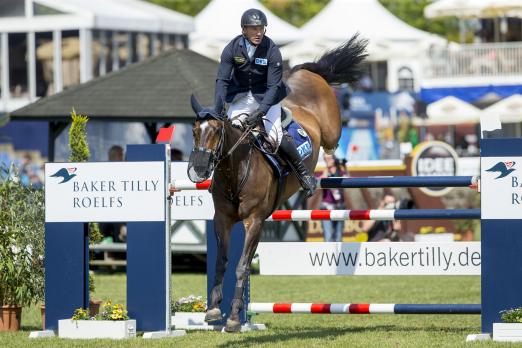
<point x="232" y="166"/>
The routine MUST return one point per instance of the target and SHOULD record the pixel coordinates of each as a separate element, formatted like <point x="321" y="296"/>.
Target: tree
<point x="296" y="12"/>
<point x="189" y="7"/>
<point x="412" y="12"/>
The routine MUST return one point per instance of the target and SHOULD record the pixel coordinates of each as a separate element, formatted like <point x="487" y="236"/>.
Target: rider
<point x="250" y="79"/>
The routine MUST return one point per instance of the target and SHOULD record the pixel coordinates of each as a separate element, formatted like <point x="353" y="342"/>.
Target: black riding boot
<point x="290" y="154"/>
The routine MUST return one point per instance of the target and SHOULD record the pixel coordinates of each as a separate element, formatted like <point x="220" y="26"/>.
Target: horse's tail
<point x="341" y="64"/>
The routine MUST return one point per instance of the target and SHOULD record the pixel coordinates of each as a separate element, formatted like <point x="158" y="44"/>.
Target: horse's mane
<point x="341" y="64"/>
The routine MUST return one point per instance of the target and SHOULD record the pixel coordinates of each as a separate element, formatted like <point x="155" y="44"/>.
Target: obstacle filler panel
<point x="148" y="259"/>
<point x="66" y="270"/>
<point x="501" y="244"/>
<point x="235" y="249"/>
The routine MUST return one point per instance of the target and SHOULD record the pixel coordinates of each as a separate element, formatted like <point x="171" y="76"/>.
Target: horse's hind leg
<point x="252" y="234"/>
<point x="222" y="230"/>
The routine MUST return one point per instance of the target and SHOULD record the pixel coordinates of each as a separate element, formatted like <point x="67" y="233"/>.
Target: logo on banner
<point x="434" y="158"/>
<point x="504" y="168"/>
<point x="65" y="173"/>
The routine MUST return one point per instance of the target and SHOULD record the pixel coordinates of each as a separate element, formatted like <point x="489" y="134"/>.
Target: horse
<point x="244" y="186"/>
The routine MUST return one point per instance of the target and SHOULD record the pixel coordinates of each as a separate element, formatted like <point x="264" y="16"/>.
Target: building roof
<point x="155" y="90"/>
<point x="124" y="15"/>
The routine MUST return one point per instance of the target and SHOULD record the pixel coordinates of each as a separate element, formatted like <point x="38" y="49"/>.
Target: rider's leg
<point x="241" y="106"/>
<point x="272" y="124"/>
<point x="289" y="152"/>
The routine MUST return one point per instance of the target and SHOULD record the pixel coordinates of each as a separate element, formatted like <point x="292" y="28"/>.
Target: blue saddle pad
<point x="302" y="142"/>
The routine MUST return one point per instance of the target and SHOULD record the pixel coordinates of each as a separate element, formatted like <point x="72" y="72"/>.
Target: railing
<point x="475" y="60"/>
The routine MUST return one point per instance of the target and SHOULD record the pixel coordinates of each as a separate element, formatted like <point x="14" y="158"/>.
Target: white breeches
<point x="272" y="119"/>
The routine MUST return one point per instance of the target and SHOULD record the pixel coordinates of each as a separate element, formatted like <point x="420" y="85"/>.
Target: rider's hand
<point x="254" y="118"/>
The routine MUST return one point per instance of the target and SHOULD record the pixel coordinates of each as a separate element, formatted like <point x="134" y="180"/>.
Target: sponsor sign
<point x="190" y="204"/>
<point x="397" y="258"/>
<point x="501" y="187"/>
<point x="105" y="191"/>
<point x="434" y="158"/>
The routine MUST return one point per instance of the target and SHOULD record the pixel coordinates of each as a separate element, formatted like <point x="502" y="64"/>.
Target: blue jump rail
<point x="398" y="181"/>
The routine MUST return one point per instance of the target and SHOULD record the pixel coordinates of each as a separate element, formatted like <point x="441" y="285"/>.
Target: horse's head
<point x="208" y="142"/>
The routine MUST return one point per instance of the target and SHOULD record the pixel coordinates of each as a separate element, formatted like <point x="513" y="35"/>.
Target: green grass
<point x="307" y="330"/>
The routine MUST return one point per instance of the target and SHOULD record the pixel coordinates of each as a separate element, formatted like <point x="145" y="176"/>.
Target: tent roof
<point x="128" y="15"/>
<point x="218" y="23"/>
<point x="451" y="110"/>
<point x="509" y="110"/>
<point x="474" y="8"/>
<point x="340" y="19"/>
<point x="155" y="90"/>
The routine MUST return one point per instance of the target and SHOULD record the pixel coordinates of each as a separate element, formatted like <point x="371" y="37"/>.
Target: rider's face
<point x="254" y="34"/>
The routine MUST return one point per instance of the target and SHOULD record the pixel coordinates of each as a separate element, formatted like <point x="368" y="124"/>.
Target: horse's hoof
<point x="213" y="314"/>
<point x="233" y="326"/>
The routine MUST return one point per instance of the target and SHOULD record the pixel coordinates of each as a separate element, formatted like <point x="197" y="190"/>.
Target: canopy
<point x="474" y="8"/>
<point x="509" y="110"/>
<point x="219" y="22"/>
<point x="450" y="111"/>
<point x="340" y="19"/>
<point x="124" y="15"/>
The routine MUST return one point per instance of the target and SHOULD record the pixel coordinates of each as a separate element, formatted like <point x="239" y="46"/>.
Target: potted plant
<point x="112" y="322"/>
<point x="510" y="330"/>
<point x="189" y="313"/>
<point x="21" y="248"/>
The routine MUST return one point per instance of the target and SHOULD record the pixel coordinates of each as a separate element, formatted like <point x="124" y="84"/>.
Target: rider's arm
<point x="223" y="78"/>
<point x="273" y="80"/>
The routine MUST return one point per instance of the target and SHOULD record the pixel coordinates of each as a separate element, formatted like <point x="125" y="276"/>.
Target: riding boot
<point x="290" y="153"/>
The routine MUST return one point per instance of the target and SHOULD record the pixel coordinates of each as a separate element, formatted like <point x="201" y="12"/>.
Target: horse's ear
<point x="196" y="106"/>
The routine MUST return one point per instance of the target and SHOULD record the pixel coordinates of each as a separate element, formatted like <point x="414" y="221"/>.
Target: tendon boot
<point x="291" y="155"/>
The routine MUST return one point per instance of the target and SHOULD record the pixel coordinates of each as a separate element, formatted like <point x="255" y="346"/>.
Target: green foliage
<point x="21" y="241"/>
<point x="512" y="315"/>
<point x="190" y="303"/>
<point x="412" y="12"/>
<point x="188" y="7"/>
<point x="296" y="12"/>
<point x="78" y="138"/>
<point x="79" y="148"/>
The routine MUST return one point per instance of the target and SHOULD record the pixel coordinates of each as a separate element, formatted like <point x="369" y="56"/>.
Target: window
<point x="406" y="82"/>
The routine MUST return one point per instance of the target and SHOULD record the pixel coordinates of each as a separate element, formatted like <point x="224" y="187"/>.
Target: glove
<point x="254" y="118"/>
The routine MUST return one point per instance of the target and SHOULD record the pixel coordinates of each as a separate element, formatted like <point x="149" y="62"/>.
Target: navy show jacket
<point x="262" y="75"/>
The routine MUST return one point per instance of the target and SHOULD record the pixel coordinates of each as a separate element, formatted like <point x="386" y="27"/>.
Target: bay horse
<point x="244" y="186"/>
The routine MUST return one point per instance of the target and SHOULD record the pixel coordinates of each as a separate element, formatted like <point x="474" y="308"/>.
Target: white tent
<point x="509" y="110"/>
<point x="340" y="19"/>
<point x="474" y="8"/>
<point x="219" y="22"/>
<point x="450" y="111"/>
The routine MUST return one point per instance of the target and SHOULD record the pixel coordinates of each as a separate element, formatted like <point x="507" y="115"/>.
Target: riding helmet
<point x="253" y="17"/>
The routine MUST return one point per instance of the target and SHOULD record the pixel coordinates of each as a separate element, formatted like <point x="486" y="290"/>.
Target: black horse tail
<point x="341" y="64"/>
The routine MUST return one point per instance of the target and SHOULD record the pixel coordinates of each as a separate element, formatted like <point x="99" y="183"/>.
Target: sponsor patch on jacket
<point x="239" y="59"/>
<point x="261" y="61"/>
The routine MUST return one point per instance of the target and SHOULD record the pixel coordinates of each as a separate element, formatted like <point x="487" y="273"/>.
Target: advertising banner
<point x="393" y="258"/>
<point x="105" y="192"/>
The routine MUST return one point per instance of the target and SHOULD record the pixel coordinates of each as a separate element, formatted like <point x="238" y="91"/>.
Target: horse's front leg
<point x="253" y="227"/>
<point x="222" y="230"/>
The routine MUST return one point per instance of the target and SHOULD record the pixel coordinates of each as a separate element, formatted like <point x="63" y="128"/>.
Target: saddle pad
<point x="301" y="139"/>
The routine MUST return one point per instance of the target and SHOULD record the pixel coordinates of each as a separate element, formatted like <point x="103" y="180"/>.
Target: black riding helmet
<point x="253" y="17"/>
